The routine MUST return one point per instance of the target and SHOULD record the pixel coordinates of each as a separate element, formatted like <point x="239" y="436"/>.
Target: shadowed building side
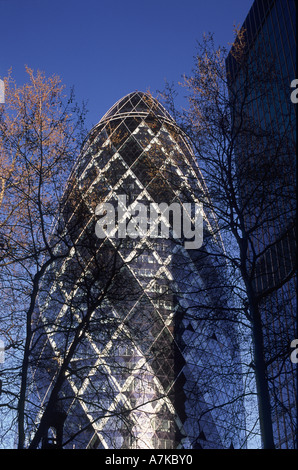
<point x="270" y="45"/>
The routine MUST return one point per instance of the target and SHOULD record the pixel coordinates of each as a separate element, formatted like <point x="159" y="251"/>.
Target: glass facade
<point x="150" y="370"/>
<point x="270" y="41"/>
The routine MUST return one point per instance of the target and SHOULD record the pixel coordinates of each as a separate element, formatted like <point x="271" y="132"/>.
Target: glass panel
<point x="130" y="151"/>
<point x="132" y="123"/>
<point x="119" y="136"/>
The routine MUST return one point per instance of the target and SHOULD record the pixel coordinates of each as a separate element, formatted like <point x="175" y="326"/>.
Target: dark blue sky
<point x="106" y="49"/>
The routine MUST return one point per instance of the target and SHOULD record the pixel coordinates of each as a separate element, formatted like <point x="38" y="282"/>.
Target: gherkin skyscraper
<point x="151" y="361"/>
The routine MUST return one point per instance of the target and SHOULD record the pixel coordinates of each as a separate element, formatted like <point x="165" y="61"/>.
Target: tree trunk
<point x="265" y="415"/>
<point x="25" y="364"/>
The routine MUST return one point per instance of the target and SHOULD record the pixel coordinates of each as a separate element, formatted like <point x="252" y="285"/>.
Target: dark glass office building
<point x="270" y="51"/>
<point x="150" y="369"/>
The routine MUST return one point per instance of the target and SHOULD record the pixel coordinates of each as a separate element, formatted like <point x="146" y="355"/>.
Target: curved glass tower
<point x="136" y="312"/>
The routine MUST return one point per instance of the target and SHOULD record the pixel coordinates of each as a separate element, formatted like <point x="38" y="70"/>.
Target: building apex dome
<point x="136" y="103"/>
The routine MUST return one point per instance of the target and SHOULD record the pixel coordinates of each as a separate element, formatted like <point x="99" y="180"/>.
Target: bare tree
<point x="58" y="277"/>
<point x="40" y="133"/>
<point x="248" y="169"/>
